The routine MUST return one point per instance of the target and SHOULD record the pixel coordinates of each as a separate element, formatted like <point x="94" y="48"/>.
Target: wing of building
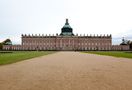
<point x="66" y="40"/>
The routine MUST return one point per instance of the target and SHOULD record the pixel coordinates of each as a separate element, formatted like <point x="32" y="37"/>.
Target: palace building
<point x="66" y="40"/>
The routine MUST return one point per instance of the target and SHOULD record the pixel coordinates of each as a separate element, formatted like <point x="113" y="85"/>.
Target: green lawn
<point x="15" y="56"/>
<point x="113" y="53"/>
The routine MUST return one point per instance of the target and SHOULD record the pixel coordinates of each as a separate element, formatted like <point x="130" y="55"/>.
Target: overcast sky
<point x="48" y="17"/>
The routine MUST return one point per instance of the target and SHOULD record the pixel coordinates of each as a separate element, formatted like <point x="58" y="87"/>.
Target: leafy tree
<point x="6" y="42"/>
<point x="130" y="45"/>
<point x="1" y="46"/>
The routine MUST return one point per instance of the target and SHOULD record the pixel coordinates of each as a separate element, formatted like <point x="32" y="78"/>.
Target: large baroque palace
<point x="66" y="40"/>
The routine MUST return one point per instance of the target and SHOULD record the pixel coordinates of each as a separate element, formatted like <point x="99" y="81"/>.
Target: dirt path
<point x="68" y="71"/>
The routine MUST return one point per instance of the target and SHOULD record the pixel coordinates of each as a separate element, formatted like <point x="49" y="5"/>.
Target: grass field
<point x="113" y="53"/>
<point x="15" y="56"/>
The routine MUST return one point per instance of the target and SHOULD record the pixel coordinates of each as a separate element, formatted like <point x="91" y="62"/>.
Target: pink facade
<point x="120" y="47"/>
<point x="66" y="41"/>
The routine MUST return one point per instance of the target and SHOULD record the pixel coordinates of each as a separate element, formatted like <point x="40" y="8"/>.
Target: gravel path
<point x="68" y="71"/>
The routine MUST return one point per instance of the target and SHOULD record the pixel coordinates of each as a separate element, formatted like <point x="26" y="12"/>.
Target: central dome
<point x="66" y="30"/>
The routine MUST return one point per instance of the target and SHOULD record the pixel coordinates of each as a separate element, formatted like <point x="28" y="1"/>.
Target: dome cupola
<point x="66" y="30"/>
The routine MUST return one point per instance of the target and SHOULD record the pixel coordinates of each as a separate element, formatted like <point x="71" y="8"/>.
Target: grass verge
<point x="15" y="56"/>
<point x="113" y="53"/>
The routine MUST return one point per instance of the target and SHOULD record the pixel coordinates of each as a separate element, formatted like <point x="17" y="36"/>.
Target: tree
<point x="130" y="45"/>
<point x="6" y="42"/>
<point x="1" y="46"/>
